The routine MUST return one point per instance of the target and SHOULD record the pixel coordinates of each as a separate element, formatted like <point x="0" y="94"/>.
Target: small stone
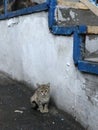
<point x="18" y="111"/>
<point x="68" y="64"/>
<point x="53" y="122"/>
<point x="62" y="119"/>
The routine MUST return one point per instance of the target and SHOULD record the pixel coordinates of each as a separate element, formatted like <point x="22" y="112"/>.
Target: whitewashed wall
<point x="28" y="51"/>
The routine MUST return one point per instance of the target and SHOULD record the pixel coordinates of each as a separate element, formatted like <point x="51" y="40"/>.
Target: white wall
<point x="28" y="51"/>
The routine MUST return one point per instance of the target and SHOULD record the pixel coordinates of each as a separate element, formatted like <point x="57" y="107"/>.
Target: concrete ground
<point x="16" y="112"/>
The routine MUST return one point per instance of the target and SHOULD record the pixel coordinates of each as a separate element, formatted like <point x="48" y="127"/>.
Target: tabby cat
<point x="41" y="98"/>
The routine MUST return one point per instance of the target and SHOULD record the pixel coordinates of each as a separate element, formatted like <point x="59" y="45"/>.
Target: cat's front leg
<point x="41" y="108"/>
<point x="46" y="108"/>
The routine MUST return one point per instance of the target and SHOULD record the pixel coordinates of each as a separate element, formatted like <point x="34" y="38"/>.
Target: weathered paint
<point x="29" y="52"/>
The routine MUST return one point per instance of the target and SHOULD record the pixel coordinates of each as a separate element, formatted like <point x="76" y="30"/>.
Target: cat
<point x="41" y="98"/>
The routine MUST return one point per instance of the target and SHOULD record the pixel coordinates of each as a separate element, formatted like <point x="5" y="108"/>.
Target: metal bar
<point x="5" y="6"/>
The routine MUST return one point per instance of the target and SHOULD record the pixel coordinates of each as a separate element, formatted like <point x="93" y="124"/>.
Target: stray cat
<point x="41" y="98"/>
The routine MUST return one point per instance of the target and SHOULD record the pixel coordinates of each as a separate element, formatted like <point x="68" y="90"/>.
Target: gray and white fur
<point x="41" y="98"/>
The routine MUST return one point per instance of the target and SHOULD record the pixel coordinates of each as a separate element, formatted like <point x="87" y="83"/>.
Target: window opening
<point x="91" y="49"/>
<point x="85" y="52"/>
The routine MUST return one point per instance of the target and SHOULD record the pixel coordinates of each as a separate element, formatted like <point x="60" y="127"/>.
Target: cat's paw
<point x="34" y="105"/>
<point x="40" y="108"/>
<point x="42" y="111"/>
<point x="45" y="110"/>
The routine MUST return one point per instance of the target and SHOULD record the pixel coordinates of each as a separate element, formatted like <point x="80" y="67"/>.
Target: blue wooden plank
<point x="77" y="44"/>
<point x="89" y="67"/>
<point x="62" y="30"/>
<point x="80" y="29"/>
<point x="51" y="14"/>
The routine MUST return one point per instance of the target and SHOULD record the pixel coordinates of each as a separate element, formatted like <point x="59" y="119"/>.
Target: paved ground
<point x="16" y="112"/>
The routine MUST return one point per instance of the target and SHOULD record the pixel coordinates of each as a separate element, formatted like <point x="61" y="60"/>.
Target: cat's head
<point x="44" y="89"/>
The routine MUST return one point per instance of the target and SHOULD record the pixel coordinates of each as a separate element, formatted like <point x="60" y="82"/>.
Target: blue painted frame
<point x="52" y="22"/>
<point x="78" y="54"/>
<point x="40" y="7"/>
<point x="60" y="30"/>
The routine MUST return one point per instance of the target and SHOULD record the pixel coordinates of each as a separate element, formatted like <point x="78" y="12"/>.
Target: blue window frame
<point x="56" y="29"/>
<point x="26" y="10"/>
<point x="79" y="50"/>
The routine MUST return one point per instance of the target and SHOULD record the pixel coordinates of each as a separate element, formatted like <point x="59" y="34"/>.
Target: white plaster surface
<point x="28" y="51"/>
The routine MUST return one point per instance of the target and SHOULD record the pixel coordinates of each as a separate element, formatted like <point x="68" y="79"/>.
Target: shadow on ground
<point x="16" y="112"/>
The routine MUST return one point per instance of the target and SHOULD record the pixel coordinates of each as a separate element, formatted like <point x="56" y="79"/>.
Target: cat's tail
<point x="33" y="102"/>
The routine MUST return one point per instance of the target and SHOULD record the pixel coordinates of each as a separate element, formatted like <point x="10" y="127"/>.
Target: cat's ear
<point x="38" y="85"/>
